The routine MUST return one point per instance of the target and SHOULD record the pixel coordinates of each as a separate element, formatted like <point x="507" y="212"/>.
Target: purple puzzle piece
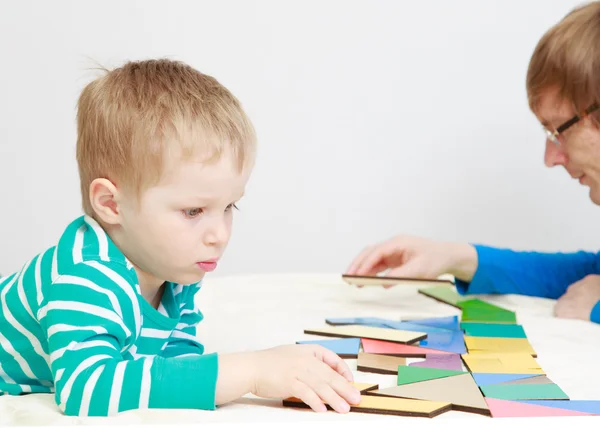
<point x="447" y="362"/>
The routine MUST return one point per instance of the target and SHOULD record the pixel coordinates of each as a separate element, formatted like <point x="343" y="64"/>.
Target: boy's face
<point x="181" y="227"/>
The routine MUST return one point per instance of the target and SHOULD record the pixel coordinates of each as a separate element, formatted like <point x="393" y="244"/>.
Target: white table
<point x="253" y="312"/>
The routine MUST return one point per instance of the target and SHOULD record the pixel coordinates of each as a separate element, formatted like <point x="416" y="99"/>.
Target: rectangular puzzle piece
<point x="366" y="280"/>
<point x="362" y="331"/>
<point x="502" y="363"/>
<point x="344" y="348"/>
<point x="477" y="329"/>
<point x="377" y="363"/>
<point x="498" y="345"/>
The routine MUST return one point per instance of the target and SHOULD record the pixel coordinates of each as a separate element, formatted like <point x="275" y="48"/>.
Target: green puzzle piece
<point x="412" y="374"/>
<point x="549" y="391"/>
<point x="444" y="294"/>
<point x="493" y="330"/>
<point x="479" y="311"/>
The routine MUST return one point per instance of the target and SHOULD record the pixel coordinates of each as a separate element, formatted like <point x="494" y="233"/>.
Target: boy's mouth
<point x="208" y="265"/>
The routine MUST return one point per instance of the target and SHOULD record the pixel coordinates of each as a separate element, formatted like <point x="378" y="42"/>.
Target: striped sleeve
<point x="183" y="341"/>
<point x="91" y="316"/>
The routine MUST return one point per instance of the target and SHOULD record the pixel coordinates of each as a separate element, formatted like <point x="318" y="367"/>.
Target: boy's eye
<point x="230" y="206"/>
<point x="194" y="212"/>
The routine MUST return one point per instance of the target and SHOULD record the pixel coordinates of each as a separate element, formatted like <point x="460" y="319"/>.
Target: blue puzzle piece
<point x="368" y="321"/>
<point x="437" y="338"/>
<point x="447" y="323"/>
<point x="343" y="347"/>
<point x="483" y="379"/>
<point x="585" y="406"/>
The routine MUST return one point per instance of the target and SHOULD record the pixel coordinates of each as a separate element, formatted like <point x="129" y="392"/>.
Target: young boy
<point x="106" y="319"/>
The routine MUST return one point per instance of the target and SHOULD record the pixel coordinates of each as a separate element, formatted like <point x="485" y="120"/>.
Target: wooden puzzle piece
<point x="460" y="390"/>
<point x="411" y="374"/>
<point x="591" y="407"/>
<point x="533" y="380"/>
<point x="366" y="280"/>
<point x="502" y="363"/>
<point x="482" y="379"/>
<point x="369" y="321"/>
<point x="479" y="311"/>
<point x="448" y="362"/>
<point x="364" y="387"/>
<point x="373" y="346"/>
<point x="548" y="391"/>
<point x="452" y="341"/>
<point x="385" y="405"/>
<point x="514" y="409"/>
<point x="446" y="323"/>
<point x="515" y="331"/>
<point x="345" y="348"/>
<point x="377" y="363"/>
<point x="363" y="331"/>
<point x="498" y="345"/>
<point x="445" y="295"/>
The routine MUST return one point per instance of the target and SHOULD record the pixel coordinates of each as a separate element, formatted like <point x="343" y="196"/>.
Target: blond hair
<point x="131" y="118"/>
<point x="567" y="59"/>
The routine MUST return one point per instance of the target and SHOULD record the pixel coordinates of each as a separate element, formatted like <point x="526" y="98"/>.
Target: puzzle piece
<point x="502" y="363"/>
<point x="514" y="409"/>
<point x="363" y="331"/>
<point x="483" y="379"/>
<point x="479" y="311"/>
<point x="445" y="295"/>
<point x="373" y="346"/>
<point x="446" y="323"/>
<point x="448" y="362"/>
<point x="378" y="280"/>
<point x="345" y="348"/>
<point x="368" y="321"/>
<point x="437" y="338"/>
<point x="376" y="363"/>
<point x="533" y="380"/>
<point x="585" y="406"/>
<point x="515" y="331"/>
<point x="498" y="345"/>
<point x="411" y="374"/>
<point x="387" y="406"/>
<point x="547" y="391"/>
<point x="460" y="390"/>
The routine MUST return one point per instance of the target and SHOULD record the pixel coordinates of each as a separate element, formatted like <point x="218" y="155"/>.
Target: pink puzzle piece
<point x="446" y="362"/>
<point x="372" y="346"/>
<point x="512" y="409"/>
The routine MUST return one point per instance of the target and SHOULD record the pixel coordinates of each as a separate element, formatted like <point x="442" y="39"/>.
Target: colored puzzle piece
<point x="411" y="374"/>
<point x="445" y="295"/>
<point x="460" y="390"/>
<point x="373" y="346"/>
<point x="515" y="331"/>
<point x="584" y="406"/>
<point x="502" y="363"/>
<point x="483" y="379"/>
<point x="446" y="323"/>
<point x="448" y="362"/>
<point x="345" y="348"/>
<point x="377" y="363"/>
<point x="479" y="311"/>
<point x="548" y="391"/>
<point x="498" y="345"/>
<point x="363" y="331"/>
<point x="519" y="409"/>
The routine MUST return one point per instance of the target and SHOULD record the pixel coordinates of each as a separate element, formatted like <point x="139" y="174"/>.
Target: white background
<point x="374" y="118"/>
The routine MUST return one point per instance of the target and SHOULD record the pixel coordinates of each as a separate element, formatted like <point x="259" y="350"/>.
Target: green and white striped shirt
<point x="74" y="323"/>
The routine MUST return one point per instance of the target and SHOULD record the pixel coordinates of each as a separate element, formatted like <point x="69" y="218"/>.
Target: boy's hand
<point x="310" y="373"/>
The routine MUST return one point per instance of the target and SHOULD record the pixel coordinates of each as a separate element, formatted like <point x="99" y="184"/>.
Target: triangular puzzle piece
<point x="372" y="346"/>
<point x="445" y="295"/>
<point x="483" y="379"/>
<point x="448" y="362"/>
<point x="460" y="390"/>
<point x="493" y="330"/>
<point x="345" y="348"/>
<point x="533" y="380"/>
<point x="584" y="406"/>
<point x="363" y="331"/>
<point x="516" y="409"/>
<point x="387" y="406"/>
<point x="411" y="374"/>
<point x="446" y="323"/>
<point x="547" y="391"/>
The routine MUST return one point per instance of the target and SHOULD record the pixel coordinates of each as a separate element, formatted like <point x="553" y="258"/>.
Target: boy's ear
<point x="103" y="198"/>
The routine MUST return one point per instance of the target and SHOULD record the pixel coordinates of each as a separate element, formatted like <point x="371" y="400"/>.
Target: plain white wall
<point x="374" y="118"/>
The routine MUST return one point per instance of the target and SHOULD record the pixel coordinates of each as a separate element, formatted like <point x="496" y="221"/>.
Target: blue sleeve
<point x="506" y="271"/>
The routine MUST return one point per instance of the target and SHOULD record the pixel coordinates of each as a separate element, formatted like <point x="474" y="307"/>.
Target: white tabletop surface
<point x="254" y="312"/>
